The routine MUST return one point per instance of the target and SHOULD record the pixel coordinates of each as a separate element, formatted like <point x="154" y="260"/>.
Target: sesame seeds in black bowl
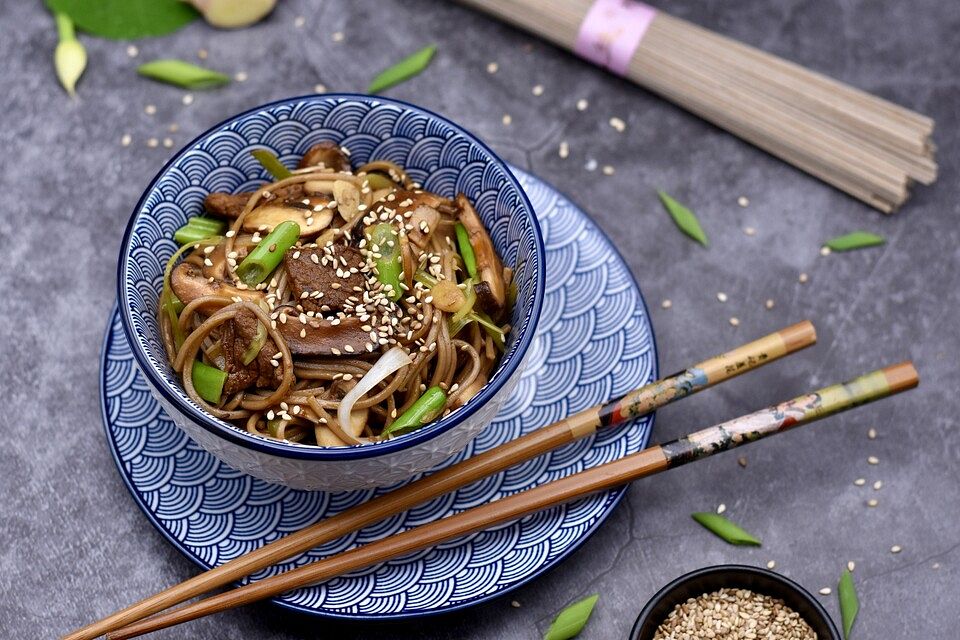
<point x="733" y="602"/>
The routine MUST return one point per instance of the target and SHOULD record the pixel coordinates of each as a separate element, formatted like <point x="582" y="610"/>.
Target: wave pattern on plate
<point x="583" y="354"/>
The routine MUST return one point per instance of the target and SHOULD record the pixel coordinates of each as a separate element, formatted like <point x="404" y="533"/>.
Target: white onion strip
<point x="393" y="360"/>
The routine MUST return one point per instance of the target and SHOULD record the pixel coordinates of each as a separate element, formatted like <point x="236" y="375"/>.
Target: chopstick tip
<point x="799" y="336"/>
<point x="902" y="376"/>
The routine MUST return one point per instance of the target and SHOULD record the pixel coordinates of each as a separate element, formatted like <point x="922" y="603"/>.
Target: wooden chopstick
<point x="634" y="404"/>
<point x="800" y="410"/>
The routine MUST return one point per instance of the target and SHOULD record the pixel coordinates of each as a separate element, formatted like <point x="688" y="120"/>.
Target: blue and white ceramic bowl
<point x="438" y="154"/>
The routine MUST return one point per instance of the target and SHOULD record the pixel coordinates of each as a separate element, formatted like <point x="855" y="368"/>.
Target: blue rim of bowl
<point x="546" y="568"/>
<point x="278" y="448"/>
<point x="676" y="583"/>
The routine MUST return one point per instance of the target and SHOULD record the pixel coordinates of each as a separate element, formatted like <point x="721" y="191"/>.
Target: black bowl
<point x="711" y="579"/>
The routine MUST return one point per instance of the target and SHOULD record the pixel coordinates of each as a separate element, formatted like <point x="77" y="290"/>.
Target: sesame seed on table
<point x="813" y="496"/>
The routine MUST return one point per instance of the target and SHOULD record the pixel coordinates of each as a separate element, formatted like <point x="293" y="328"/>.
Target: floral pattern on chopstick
<point x="778" y="418"/>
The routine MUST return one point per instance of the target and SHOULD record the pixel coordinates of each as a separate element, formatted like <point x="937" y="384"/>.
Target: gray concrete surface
<point x="73" y="546"/>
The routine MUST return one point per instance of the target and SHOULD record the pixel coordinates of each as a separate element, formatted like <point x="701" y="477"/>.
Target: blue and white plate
<point x="594" y="342"/>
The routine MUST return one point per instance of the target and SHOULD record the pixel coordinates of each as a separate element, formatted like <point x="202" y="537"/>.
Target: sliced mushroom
<point x="217" y="267"/>
<point x="326" y="154"/>
<point x="348" y="199"/>
<point x="491" y="290"/>
<point x="318" y="187"/>
<point x="308" y="336"/>
<point x="303" y="212"/>
<point x="327" y="438"/>
<point x="423" y="221"/>
<point x="189" y="283"/>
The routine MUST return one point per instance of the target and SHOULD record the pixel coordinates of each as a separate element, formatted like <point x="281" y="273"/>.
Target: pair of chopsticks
<point x="134" y="621"/>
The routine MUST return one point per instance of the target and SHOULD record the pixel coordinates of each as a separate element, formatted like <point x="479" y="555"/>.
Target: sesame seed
<point x="299" y="21"/>
<point x="207" y="262"/>
<point x="126" y="139"/>
<point x="168" y="142"/>
<point x="240" y="76"/>
<point x="608" y="170"/>
<point x="187" y="99"/>
<point x="150" y="109"/>
<point x="507" y="120"/>
<point x="132" y="51"/>
<point x="319" y="88"/>
<point x="582" y="104"/>
<point x="270" y="414"/>
<point x="721" y="296"/>
<point x="896" y="549"/>
<point x="825" y="591"/>
<point x="618" y="124"/>
<point x="335" y="351"/>
<point x="873" y="460"/>
<point x="337" y="36"/>
<point x="152" y="143"/>
<point x="872" y="433"/>
<point x="743" y="201"/>
<point x="721" y="508"/>
<point x="824" y="251"/>
<point x="173" y="127"/>
<point x="935" y="566"/>
<point x="860" y="482"/>
<point x="564" y="150"/>
<point x="735" y="322"/>
<point x="872" y="502"/>
<point x="537" y="90"/>
<point x="750" y="231"/>
<point x="877" y="485"/>
<point x="492" y="67"/>
<point x="851" y="565"/>
<point x="202" y="54"/>
<point x="666" y="304"/>
<point x="591" y="165"/>
<point x="514" y="604"/>
<point x="769" y="304"/>
<point x="771" y="564"/>
<point x="742" y="461"/>
<point x="803" y="278"/>
<point x="348" y="376"/>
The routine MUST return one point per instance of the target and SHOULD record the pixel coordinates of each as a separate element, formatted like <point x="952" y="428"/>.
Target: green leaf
<point x="849" y="603"/>
<point x="271" y="163"/>
<point x="684" y="218"/>
<point x="855" y="240"/>
<point x="571" y="620"/>
<point x="126" y="19"/>
<point x="725" y="529"/>
<point x="403" y="70"/>
<point x="182" y="74"/>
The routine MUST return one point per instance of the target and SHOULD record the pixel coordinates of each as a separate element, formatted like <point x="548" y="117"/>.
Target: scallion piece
<point x="466" y="250"/>
<point x="253" y="350"/>
<point x="723" y="528"/>
<point x="198" y="229"/>
<point x="260" y="263"/>
<point x="425" y="409"/>
<point x="271" y="163"/>
<point x="208" y="381"/>
<point x="386" y="243"/>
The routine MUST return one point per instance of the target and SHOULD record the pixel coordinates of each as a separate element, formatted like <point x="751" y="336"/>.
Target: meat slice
<point x="226" y="205"/>
<point x="306" y="336"/>
<point x="336" y="282"/>
<point x="327" y="154"/>
<point x="231" y="205"/>
<point x="235" y="337"/>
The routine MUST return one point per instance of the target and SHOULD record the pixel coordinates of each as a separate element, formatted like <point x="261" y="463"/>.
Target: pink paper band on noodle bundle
<point x="611" y="32"/>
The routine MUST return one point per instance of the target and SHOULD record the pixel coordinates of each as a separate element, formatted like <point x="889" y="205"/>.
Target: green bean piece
<point x="466" y="250"/>
<point x="271" y="163"/>
<point x="198" y="229"/>
<point x="385" y="242"/>
<point x="208" y="381"/>
<point x="424" y="410"/>
<point x="260" y="263"/>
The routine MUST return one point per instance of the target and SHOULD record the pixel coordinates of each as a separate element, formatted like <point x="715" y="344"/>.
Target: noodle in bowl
<point x="440" y="159"/>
